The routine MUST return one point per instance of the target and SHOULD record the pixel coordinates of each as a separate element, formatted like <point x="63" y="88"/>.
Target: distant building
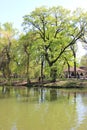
<point x="80" y="72"/>
<point x="85" y="69"/>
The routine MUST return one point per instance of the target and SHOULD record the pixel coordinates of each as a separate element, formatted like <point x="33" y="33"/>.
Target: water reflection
<point x="40" y="95"/>
<point x="74" y="96"/>
<point x="14" y="127"/>
<point x="53" y="94"/>
<point x="43" y="109"/>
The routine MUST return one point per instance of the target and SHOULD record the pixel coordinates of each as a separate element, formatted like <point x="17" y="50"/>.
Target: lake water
<point x="43" y="109"/>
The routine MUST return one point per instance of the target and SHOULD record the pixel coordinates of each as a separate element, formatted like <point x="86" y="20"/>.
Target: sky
<point x="14" y="10"/>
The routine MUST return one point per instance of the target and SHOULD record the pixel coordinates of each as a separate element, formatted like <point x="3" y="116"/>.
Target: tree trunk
<point x="69" y="71"/>
<point x="74" y="54"/>
<point x="28" y="77"/>
<point x="53" y="74"/>
<point x="42" y="69"/>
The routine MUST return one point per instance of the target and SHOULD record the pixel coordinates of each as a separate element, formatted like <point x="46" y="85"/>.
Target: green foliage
<point x="47" y="45"/>
<point x="56" y="27"/>
<point x="7" y="40"/>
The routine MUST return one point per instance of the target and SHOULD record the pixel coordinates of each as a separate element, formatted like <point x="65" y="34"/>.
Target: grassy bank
<point x="68" y="83"/>
<point x="63" y="83"/>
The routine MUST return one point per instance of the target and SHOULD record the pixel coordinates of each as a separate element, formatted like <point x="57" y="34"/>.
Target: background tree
<point x="7" y="38"/>
<point x="73" y="49"/>
<point x="57" y="28"/>
<point x="27" y="42"/>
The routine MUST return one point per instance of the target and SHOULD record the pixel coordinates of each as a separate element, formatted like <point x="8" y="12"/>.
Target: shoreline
<point x="66" y="83"/>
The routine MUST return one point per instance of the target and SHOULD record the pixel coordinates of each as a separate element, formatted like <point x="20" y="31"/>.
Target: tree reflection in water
<point x="53" y="94"/>
<point x="36" y="107"/>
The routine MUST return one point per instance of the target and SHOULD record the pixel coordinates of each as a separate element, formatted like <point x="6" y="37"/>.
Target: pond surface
<point x="43" y="109"/>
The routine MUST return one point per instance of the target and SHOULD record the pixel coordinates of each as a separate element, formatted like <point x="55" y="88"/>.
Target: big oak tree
<point x="57" y="29"/>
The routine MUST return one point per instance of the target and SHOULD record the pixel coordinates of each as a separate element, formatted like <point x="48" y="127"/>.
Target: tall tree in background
<point x="7" y="33"/>
<point x="73" y="49"/>
<point x="27" y="42"/>
<point x="57" y="28"/>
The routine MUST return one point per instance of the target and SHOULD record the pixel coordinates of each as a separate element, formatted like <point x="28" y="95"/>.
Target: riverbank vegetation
<point x="47" y="45"/>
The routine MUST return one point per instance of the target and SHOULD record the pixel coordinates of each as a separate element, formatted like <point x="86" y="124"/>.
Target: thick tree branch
<point x="57" y="31"/>
<point x="78" y="36"/>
